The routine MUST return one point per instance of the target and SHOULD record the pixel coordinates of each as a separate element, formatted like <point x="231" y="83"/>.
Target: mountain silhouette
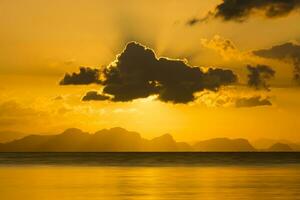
<point x="224" y="145"/>
<point x="8" y="136"/>
<point x="120" y="140"/>
<point x="264" y="144"/>
<point x="279" y="147"/>
<point x="106" y="140"/>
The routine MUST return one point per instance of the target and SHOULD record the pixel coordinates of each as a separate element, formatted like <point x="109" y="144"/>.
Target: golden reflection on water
<point x="145" y="183"/>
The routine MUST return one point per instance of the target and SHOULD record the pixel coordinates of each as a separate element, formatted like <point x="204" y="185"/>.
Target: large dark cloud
<point x="138" y="73"/>
<point x="94" y="96"/>
<point x="85" y="76"/>
<point x="285" y="52"/>
<point x="240" y="10"/>
<point x="252" y="102"/>
<point x="259" y="75"/>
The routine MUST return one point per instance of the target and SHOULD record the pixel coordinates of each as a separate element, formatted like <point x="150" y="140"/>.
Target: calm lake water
<point x="143" y="176"/>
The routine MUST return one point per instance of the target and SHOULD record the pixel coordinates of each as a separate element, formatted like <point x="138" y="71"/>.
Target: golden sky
<point x="41" y="40"/>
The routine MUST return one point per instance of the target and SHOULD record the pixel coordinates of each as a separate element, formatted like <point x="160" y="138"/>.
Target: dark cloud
<point x="241" y="10"/>
<point x="85" y="76"/>
<point x="252" y="102"/>
<point x="259" y="75"/>
<point x="285" y="52"/>
<point x="214" y="78"/>
<point x="193" y="21"/>
<point x="137" y="73"/>
<point x="297" y="70"/>
<point x="94" y="96"/>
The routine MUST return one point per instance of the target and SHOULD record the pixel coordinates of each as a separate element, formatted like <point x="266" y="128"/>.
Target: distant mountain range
<point x="8" y="136"/>
<point x="224" y="144"/>
<point x="269" y="144"/>
<point x="280" y="147"/>
<point x="121" y="140"/>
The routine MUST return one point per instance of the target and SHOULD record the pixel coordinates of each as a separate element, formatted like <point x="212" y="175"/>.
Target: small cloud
<point x="225" y="47"/>
<point x="86" y="76"/>
<point x="252" y="102"/>
<point x="289" y="52"/>
<point x="94" y="96"/>
<point x="259" y="75"/>
<point x="193" y="21"/>
<point x="241" y="10"/>
<point x="234" y="97"/>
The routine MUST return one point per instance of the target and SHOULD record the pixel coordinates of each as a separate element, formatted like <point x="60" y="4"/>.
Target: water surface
<point x="143" y="176"/>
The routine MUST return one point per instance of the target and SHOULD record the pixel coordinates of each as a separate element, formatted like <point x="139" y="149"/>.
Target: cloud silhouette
<point x="252" y="102"/>
<point x="259" y="75"/>
<point x="138" y="73"/>
<point x="85" y="76"/>
<point x="94" y="96"/>
<point x="285" y="52"/>
<point x="241" y="10"/>
<point x="193" y="21"/>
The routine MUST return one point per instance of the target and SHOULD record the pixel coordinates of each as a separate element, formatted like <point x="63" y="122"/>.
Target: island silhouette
<point x="120" y="140"/>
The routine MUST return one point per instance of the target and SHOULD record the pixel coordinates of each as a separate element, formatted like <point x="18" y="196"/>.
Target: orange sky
<point x="41" y="40"/>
